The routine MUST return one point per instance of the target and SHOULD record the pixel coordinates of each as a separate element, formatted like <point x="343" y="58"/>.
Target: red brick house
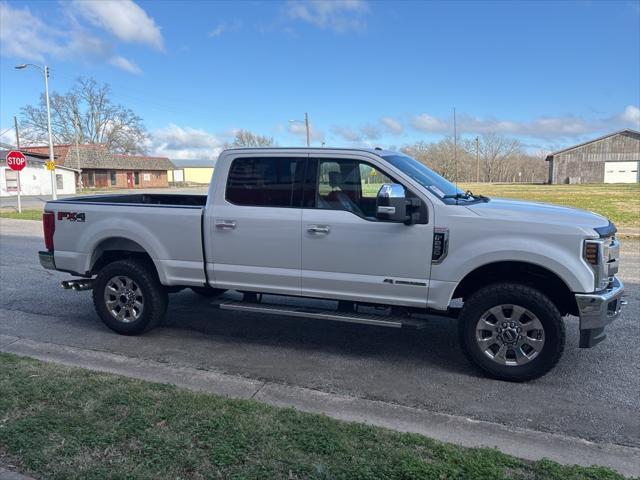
<point x="102" y="169"/>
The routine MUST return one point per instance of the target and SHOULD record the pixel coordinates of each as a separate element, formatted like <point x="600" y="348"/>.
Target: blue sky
<point x="368" y="73"/>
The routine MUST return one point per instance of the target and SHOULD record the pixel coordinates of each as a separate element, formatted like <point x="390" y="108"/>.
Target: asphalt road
<point x="592" y="394"/>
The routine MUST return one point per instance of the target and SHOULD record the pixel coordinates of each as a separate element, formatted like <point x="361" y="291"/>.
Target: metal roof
<point x="624" y="130"/>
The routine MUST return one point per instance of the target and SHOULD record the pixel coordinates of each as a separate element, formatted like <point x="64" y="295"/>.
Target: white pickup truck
<point x="387" y="239"/>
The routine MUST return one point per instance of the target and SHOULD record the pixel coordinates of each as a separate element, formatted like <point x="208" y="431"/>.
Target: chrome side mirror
<point x="391" y="203"/>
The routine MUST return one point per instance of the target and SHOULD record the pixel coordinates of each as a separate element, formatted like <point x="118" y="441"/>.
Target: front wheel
<point x="511" y="332"/>
<point x="129" y="297"/>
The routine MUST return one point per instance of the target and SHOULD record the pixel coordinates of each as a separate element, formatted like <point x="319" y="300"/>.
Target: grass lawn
<point x="25" y="215"/>
<point x="619" y="202"/>
<point x="65" y="423"/>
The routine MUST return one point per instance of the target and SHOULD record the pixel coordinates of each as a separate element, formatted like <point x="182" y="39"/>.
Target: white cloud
<point x="427" y="123"/>
<point x="223" y="27"/>
<point x="337" y="15"/>
<point x="631" y="115"/>
<point x="41" y="41"/>
<point x="219" y="30"/>
<point x="370" y="132"/>
<point x="299" y="129"/>
<point x="346" y="133"/>
<point x="178" y="142"/>
<point x="8" y="136"/>
<point x="31" y="43"/>
<point x="125" y="64"/>
<point x="392" y="125"/>
<point x="547" y="127"/>
<point x="123" y="18"/>
<point x="362" y="135"/>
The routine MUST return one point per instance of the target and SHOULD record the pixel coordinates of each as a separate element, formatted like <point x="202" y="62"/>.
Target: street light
<point x="306" y="125"/>
<point x="45" y="72"/>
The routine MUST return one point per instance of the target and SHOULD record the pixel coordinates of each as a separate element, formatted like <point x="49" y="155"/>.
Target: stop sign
<point x="16" y="160"/>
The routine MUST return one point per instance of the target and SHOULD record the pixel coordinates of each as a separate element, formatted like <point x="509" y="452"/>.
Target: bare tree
<point x="497" y="152"/>
<point x="245" y="138"/>
<point x="444" y="157"/>
<point x="87" y="115"/>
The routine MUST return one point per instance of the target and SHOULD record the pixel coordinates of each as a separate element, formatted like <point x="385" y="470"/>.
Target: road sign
<point x="16" y="160"/>
<point x="50" y="165"/>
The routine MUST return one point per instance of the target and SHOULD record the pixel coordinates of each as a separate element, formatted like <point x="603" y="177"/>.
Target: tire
<point x="208" y="292"/>
<point x="520" y="351"/>
<point x="128" y="297"/>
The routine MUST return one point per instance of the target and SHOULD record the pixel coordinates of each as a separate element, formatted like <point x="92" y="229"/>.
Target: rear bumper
<point x="597" y="310"/>
<point x="46" y="260"/>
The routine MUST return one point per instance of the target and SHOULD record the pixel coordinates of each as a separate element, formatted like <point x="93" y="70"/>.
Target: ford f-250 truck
<point x="379" y="233"/>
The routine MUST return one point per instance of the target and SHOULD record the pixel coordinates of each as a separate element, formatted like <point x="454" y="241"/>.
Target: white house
<point x="35" y="179"/>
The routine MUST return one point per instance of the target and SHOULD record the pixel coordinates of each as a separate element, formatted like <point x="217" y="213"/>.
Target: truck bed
<point x="166" y="227"/>
<point x="166" y="199"/>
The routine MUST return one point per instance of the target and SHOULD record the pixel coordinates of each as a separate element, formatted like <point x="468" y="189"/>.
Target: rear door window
<point x="265" y="182"/>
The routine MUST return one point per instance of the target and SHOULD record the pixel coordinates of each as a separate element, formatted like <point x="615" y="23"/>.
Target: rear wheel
<point x="511" y="332"/>
<point x="208" y="291"/>
<point x="128" y="297"/>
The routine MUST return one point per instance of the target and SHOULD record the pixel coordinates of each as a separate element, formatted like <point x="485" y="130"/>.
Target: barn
<point x="613" y="158"/>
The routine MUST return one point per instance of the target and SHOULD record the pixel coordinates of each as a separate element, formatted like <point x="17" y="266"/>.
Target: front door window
<point x="349" y="185"/>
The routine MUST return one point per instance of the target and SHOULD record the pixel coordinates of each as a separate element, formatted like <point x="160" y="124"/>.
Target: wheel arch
<point x="526" y="273"/>
<point x="111" y="249"/>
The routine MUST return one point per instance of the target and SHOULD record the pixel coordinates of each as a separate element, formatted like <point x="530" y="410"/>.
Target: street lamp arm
<point x="25" y="65"/>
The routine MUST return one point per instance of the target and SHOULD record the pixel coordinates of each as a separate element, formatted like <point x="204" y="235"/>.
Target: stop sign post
<point x="17" y="161"/>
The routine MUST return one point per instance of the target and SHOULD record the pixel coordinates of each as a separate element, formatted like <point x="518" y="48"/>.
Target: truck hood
<point x="503" y="208"/>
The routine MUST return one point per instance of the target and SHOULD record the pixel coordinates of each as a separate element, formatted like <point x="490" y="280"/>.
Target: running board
<point x="316" y="313"/>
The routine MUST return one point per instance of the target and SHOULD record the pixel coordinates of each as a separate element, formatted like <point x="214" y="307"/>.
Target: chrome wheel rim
<point x="123" y="298"/>
<point x="510" y="335"/>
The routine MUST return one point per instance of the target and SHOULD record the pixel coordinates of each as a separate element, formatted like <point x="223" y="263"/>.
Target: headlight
<point x="591" y="252"/>
<point x="602" y="255"/>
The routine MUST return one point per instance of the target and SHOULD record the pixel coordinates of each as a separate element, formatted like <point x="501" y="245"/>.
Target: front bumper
<point x="46" y="260"/>
<point x="597" y="310"/>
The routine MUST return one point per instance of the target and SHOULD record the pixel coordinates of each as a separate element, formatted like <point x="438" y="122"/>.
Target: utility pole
<point x="15" y="124"/>
<point x="77" y="126"/>
<point x="455" y="146"/>
<point x="54" y="193"/>
<point x="306" y="125"/>
<point x="45" y="71"/>
<point x="477" y="159"/>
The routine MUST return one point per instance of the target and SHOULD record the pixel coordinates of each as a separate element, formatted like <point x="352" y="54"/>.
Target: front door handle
<point x="318" y="229"/>
<point x="225" y="224"/>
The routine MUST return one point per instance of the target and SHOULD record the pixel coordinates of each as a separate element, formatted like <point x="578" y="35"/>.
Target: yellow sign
<point x="50" y="165"/>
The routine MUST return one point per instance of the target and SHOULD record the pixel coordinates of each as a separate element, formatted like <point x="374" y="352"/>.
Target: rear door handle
<point x="318" y="229"/>
<point x="225" y="224"/>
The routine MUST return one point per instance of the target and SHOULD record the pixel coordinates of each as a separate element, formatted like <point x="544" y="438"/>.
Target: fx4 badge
<point x="71" y="216"/>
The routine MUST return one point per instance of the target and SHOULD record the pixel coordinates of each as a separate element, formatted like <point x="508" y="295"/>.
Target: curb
<point x="6" y="474"/>
<point x="527" y="444"/>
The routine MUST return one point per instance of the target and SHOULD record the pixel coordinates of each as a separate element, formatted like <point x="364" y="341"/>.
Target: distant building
<point x="192" y="172"/>
<point x="99" y="168"/>
<point x="35" y="179"/>
<point x="613" y="158"/>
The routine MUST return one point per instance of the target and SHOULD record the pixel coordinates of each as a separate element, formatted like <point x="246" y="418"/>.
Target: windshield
<point x="429" y="179"/>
